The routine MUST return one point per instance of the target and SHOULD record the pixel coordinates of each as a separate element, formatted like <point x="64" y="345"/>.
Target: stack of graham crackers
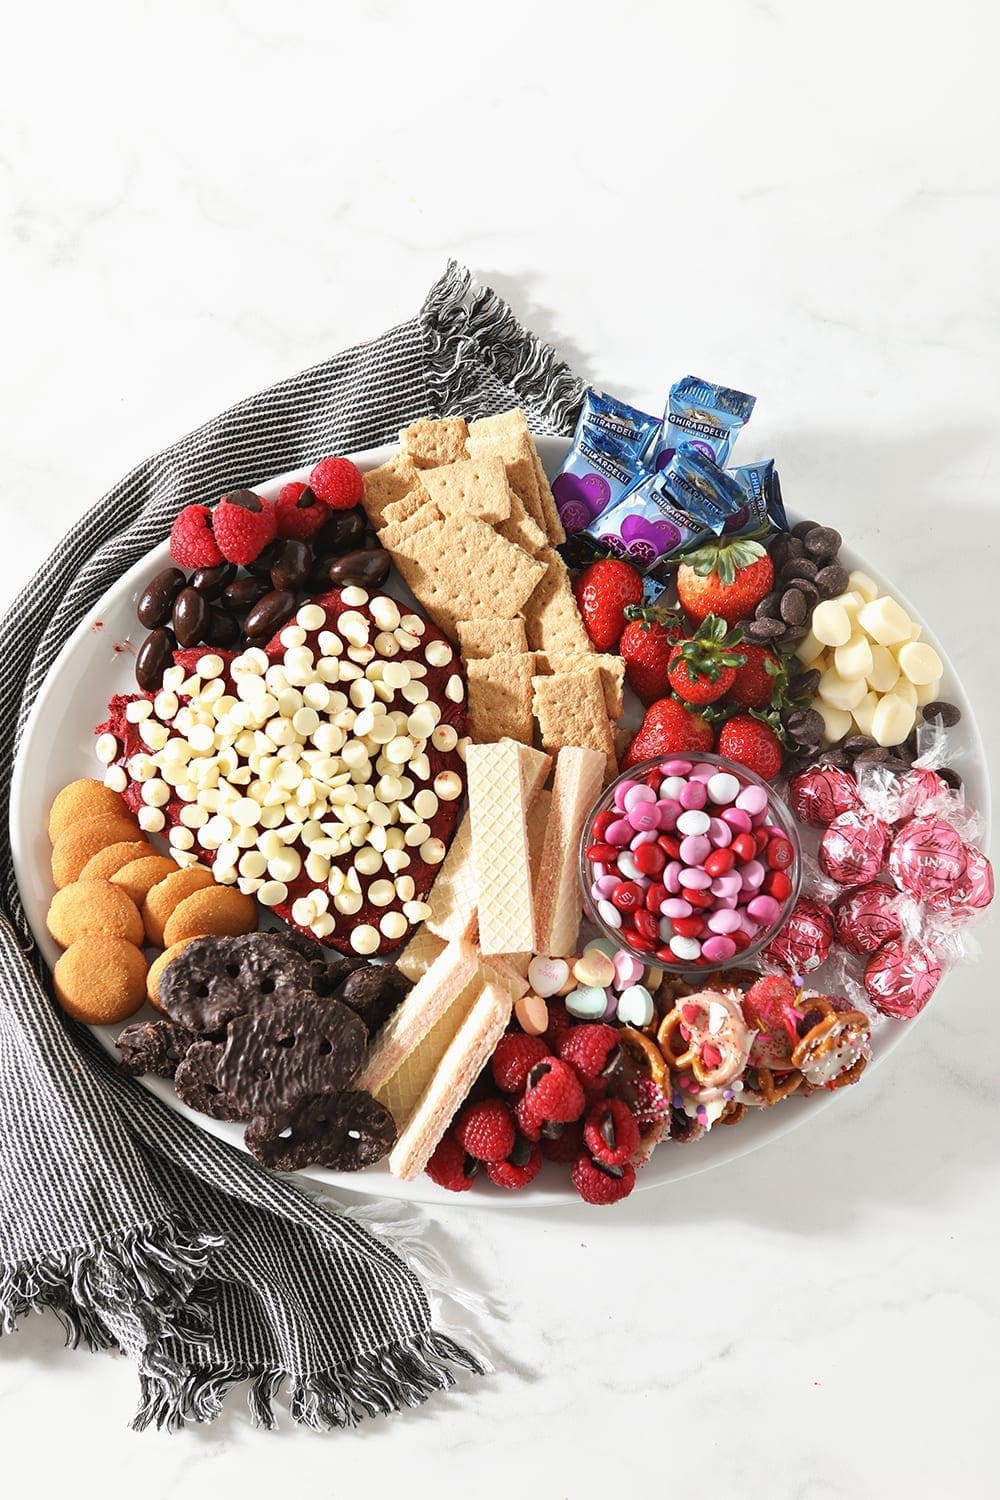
<point x="507" y="889"/>
<point x="467" y="514"/>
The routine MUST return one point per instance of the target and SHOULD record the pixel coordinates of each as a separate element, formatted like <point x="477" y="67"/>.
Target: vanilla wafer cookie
<point x="419" y="953"/>
<point x="452" y="897"/>
<point x="501" y="857"/>
<point x="404" y="1088"/>
<point x="578" y="780"/>
<point x="423" y="1007"/>
<point x="458" y="1070"/>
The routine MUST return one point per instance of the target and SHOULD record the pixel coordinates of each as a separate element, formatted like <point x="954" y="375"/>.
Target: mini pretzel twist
<point x="714" y="1058"/>
<point x="836" y="1036"/>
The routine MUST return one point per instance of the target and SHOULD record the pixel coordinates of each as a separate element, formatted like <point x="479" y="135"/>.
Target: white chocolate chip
<point x="381" y="892"/>
<point x="454" y="689"/>
<point x="151" y="820"/>
<point x="311" y="617"/>
<point x="438" y="653"/>
<point x="294" y="635"/>
<point x="365" y="939"/>
<point x="432" y="851"/>
<point x="211" y="665"/>
<point x="285" y="865"/>
<point x="272" y="893"/>
<point x="385" y="612"/>
<point x="155" y="793"/>
<point x="444" y="738"/>
<point x="396" y="860"/>
<point x="425" y="803"/>
<point x="324" y="926"/>
<point x="173" y="677"/>
<point x="393" y="925"/>
<point x="407" y="640"/>
<point x="138" y="710"/>
<point x="181" y="838"/>
<point x="399" y="751"/>
<point x="416" y="911"/>
<point x="405" y="887"/>
<point x="115" y="778"/>
<point x="347" y="902"/>
<point x="354" y="596"/>
<point x="106" y="748"/>
<point x="447" y="786"/>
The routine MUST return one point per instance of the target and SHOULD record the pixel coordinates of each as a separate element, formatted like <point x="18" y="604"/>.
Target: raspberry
<point x="449" y="1167"/>
<point x="559" y="1020"/>
<point x="527" y="1122"/>
<point x="566" y="1146"/>
<point x="243" y="524"/>
<point x="298" y="512"/>
<point x="521" y="1167"/>
<point x="191" y="541"/>
<point x="590" y="1050"/>
<point x="338" y="482"/>
<point x="514" y="1058"/>
<point x="610" y="1133"/>
<point x="553" y="1092"/>
<point x="486" y="1130"/>
<point x="597" y="1184"/>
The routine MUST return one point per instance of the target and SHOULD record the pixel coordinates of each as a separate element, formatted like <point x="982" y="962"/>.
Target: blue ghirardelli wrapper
<point x="705" y="415"/>
<point x="672" y="511"/>
<point x="763" y="507"/>
<point x="606" y="458"/>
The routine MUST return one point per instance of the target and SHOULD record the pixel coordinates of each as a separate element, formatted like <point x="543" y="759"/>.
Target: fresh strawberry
<point x="703" y="666"/>
<point x="603" y="593"/>
<point x="645" y="647"/>
<point x="757" y="679"/>
<point x="669" y="726"/>
<point x="725" y="578"/>
<point x="751" y="742"/>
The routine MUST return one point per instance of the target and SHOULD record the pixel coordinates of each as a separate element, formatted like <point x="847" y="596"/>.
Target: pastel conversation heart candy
<point x="547" y="975"/>
<point x="635" y="1006"/>
<point x="587" y="1003"/>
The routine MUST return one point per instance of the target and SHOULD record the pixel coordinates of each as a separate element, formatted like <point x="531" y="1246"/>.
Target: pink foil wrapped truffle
<point x="901" y="977"/>
<point x="974" y="888"/>
<point x="819" y="795"/>
<point x="852" y="851"/>
<point x="927" y="859"/>
<point x="915" y="792"/>
<point x="867" y="918"/>
<point x="804" y="942"/>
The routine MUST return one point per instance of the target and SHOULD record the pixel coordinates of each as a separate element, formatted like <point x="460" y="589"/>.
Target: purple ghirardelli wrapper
<point x="672" y="511"/>
<point x="609" y="444"/>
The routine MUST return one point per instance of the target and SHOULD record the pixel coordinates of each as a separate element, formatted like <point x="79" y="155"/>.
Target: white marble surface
<point x="199" y="198"/>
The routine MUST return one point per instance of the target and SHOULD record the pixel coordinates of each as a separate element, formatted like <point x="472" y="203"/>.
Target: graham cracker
<point x="521" y="529"/>
<point x="389" y="482"/>
<point x="452" y="897"/>
<point x="461" y="570"/>
<point x="430" y="443"/>
<point x="482" y="638"/>
<point x="551" y="618"/>
<point x="471" y="487"/>
<point x="419" y="953"/>
<point x="395" y="532"/>
<point x="500" y="853"/>
<point x="459" y="1068"/>
<point x="507" y="435"/>
<point x="577" y="783"/>
<point x="500" y="696"/>
<point x="553" y="526"/>
<point x="611" y="668"/>
<point x="570" y="711"/>
<point x="406" y="506"/>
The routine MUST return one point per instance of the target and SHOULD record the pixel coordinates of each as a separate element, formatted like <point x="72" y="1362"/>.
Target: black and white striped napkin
<point x="138" y="1230"/>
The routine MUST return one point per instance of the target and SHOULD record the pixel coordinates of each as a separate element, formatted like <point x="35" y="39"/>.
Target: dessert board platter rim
<point x="56" y="746"/>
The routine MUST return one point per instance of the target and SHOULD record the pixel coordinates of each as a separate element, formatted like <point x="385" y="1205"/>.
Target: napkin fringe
<point x="467" y="327"/>
<point x="144" y="1277"/>
<point x="372" y="1385"/>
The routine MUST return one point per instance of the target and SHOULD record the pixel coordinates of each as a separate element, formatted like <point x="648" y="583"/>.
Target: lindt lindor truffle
<point x="927" y="858"/>
<point x="853" y="849"/>
<point x="803" y="944"/>
<point x="867" y="918"/>
<point x="822" y="793"/>
<point x="974" y="888"/>
<point x="901" y="977"/>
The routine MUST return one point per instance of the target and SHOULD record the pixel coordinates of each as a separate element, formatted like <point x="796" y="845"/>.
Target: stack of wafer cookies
<point x="468" y="516"/>
<point x="508" y="889"/>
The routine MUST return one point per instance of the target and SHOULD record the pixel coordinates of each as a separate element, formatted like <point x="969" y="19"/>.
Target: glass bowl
<point x="680" y="957"/>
